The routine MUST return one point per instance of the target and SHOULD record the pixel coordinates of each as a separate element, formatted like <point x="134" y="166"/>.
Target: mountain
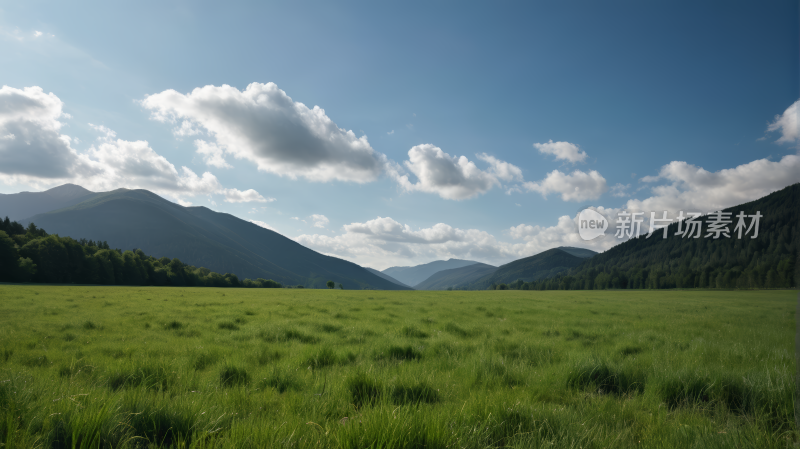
<point x="456" y="276"/>
<point x="771" y="260"/>
<point x="416" y="274"/>
<point x="541" y="266"/>
<point x="578" y="252"/>
<point x="19" y="206"/>
<point x="198" y="236"/>
<point x="385" y="276"/>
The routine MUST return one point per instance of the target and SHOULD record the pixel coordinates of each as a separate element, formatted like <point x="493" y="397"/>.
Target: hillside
<point x="540" y="266"/>
<point x="418" y="273"/>
<point x="578" y="252"/>
<point x="19" y="206"/>
<point x="385" y="276"/>
<point x="456" y="276"/>
<point x="769" y="260"/>
<point x="129" y="219"/>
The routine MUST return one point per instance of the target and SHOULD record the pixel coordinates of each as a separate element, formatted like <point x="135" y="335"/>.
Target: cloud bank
<point x="33" y="152"/>
<point x="263" y="125"/>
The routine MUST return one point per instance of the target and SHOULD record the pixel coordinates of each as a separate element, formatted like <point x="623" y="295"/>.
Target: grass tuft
<point x="413" y="332"/>
<point x="150" y="376"/>
<point x="231" y="376"/>
<point x="174" y="325"/>
<point x="282" y="380"/>
<point x="414" y="394"/>
<point x="228" y="325"/>
<point x="364" y="391"/>
<point x="603" y="378"/>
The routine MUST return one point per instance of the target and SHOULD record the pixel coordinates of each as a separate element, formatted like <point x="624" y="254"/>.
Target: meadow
<point x="125" y="367"/>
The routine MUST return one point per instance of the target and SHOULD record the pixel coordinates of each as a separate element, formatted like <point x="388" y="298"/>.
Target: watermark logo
<point x="591" y="224"/>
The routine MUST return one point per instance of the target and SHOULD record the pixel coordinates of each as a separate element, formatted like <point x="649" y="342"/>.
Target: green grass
<point x="130" y="367"/>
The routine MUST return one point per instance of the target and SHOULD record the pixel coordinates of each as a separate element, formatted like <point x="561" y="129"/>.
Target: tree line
<point x="29" y="254"/>
<point x="768" y="261"/>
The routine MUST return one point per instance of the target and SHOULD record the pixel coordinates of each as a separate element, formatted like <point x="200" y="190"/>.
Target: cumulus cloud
<point x="106" y="134"/>
<point x="692" y="187"/>
<point x="620" y="190"/>
<point x="320" y="221"/>
<point x="39" y="156"/>
<point x="500" y="169"/>
<point x="263" y="225"/>
<point x="32" y="146"/>
<point x="788" y="124"/>
<point x="536" y="239"/>
<point x="562" y="150"/>
<point x="246" y="196"/>
<point x="212" y="154"/>
<point x="265" y="126"/>
<point x="450" y="177"/>
<point x="384" y="242"/>
<point x="577" y="186"/>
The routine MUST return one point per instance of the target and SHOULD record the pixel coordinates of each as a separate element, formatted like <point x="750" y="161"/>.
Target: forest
<point x="32" y="255"/>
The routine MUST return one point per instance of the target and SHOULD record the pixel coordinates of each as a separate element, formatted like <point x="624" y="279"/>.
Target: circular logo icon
<point x="591" y="224"/>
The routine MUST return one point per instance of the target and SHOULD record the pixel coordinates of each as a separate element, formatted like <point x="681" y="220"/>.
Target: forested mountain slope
<point x="767" y="261"/>
<point x="540" y="266"/>
<point x="129" y="219"/>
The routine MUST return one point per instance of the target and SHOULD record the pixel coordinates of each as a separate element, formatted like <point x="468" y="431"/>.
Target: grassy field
<point x="204" y="367"/>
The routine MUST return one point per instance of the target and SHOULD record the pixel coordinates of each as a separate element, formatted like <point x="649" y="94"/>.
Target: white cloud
<point x="320" y="221"/>
<point x="37" y="33"/>
<point x="452" y="178"/>
<point x="265" y="126"/>
<point x="536" y="239"/>
<point x="562" y="150"/>
<point x="577" y="186"/>
<point x="37" y="149"/>
<point x="122" y="163"/>
<point x="500" y="169"/>
<point x="246" y="196"/>
<point x="788" y="123"/>
<point x="186" y="129"/>
<point x="620" y="190"/>
<point x="39" y="156"/>
<point x="694" y="188"/>
<point x="107" y="134"/>
<point x="390" y="132"/>
<point x="384" y="242"/>
<point x="295" y="218"/>
<point x="212" y="154"/>
<point x="263" y="225"/>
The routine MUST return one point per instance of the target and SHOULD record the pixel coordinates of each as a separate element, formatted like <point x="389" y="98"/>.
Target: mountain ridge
<point x="198" y="236"/>
<point x="413" y="275"/>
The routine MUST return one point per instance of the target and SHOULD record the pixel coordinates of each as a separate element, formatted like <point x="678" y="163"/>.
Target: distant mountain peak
<point x="68" y="191"/>
<point x="418" y="273"/>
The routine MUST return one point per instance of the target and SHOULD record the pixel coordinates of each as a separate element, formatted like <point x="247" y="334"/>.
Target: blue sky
<point x="638" y="87"/>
